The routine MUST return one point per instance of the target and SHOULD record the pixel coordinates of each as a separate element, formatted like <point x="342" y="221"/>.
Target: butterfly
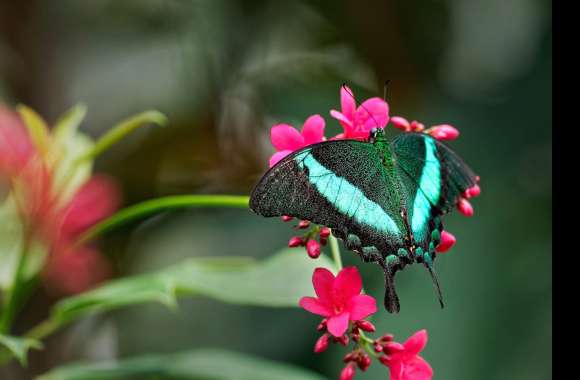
<point x="384" y="200"/>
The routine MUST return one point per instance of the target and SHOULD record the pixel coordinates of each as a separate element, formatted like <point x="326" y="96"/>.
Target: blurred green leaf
<point x="201" y="364"/>
<point x="122" y="129"/>
<point x="19" y="346"/>
<point x="68" y="124"/>
<point x="11" y="244"/>
<point x="37" y="128"/>
<point x="279" y="281"/>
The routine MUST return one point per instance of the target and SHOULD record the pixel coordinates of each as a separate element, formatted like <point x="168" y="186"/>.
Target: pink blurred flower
<point x="72" y="272"/>
<point x="443" y="132"/>
<point x="357" y="122"/>
<point x="15" y="146"/>
<point x="406" y="126"/>
<point x="286" y="139"/>
<point x="464" y="207"/>
<point x="339" y="299"/>
<point x="404" y="361"/>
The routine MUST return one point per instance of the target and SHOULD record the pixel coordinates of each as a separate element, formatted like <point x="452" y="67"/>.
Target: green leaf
<point x="123" y="128"/>
<point x="37" y="128"/>
<point x="278" y="281"/>
<point x="68" y="124"/>
<point x="19" y="346"/>
<point x="204" y="364"/>
<point x="11" y="240"/>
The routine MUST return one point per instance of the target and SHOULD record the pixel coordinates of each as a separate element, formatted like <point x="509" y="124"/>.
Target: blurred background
<point x="224" y="72"/>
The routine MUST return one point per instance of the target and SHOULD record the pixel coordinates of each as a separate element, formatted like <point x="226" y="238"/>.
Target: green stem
<point x="153" y="206"/>
<point x="335" y="250"/>
<point x="13" y="294"/>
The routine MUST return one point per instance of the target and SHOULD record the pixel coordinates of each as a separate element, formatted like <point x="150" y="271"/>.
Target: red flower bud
<point x="321" y="344"/>
<point x="447" y="241"/>
<point x="386" y="338"/>
<point x="324" y="232"/>
<point x="366" y="326"/>
<point x="286" y="218"/>
<point x="416" y="126"/>
<point x="465" y="207"/>
<point x="303" y="224"/>
<point x="443" y="132"/>
<point x="473" y="191"/>
<point x="313" y="249"/>
<point x="323" y="241"/>
<point x="364" y="362"/>
<point x="385" y="360"/>
<point x="295" y="241"/>
<point x="401" y="123"/>
<point x="348" y="357"/>
<point x="342" y="340"/>
<point x="322" y="325"/>
<point x="348" y="372"/>
<point x="378" y="347"/>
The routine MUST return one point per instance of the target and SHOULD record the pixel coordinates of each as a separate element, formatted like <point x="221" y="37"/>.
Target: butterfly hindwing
<point x="434" y="178"/>
<point x="340" y="184"/>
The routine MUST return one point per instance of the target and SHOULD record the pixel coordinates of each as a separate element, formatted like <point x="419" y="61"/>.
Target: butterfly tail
<point x="429" y="266"/>
<point x="391" y="299"/>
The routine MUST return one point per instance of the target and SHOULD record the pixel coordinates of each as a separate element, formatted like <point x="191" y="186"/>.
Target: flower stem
<point x="13" y="294"/>
<point x="153" y="206"/>
<point x="335" y="250"/>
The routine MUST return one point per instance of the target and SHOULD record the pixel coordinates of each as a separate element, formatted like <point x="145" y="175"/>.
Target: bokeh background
<point x="224" y="72"/>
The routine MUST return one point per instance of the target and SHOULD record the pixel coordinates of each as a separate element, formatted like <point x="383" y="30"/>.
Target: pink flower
<point x="406" y="126"/>
<point x="357" y="122"/>
<point x="464" y="207"/>
<point x="339" y="299"/>
<point x="15" y="145"/>
<point x="403" y="360"/>
<point x="443" y="132"/>
<point x="286" y="139"/>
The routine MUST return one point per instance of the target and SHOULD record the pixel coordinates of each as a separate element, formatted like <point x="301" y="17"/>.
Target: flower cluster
<point x="357" y="123"/>
<point x="345" y="309"/>
<point x="54" y="197"/>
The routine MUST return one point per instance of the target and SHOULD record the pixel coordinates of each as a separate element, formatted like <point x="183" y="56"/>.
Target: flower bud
<point x="303" y="224"/>
<point x="385" y="360"/>
<point x="295" y="241"/>
<point x="321" y="344"/>
<point x="364" y="362"/>
<point x="473" y="191"/>
<point x="416" y="126"/>
<point x="447" y="241"/>
<point x="366" y="326"/>
<point x="286" y="218"/>
<point x="443" y="132"/>
<point x="377" y="346"/>
<point x="401" y="123"/>
<point x="323" y="241"/>
<point x="348" y="372"/>
<point x="465" y="207"/>
<point x="322" y="325"/>
<point x="313" y="249"/>
<point x="342" y="340"/>
<point x="324" y="232"/>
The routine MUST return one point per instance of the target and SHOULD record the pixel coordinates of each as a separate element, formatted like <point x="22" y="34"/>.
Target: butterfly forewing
<point x="341" y="184"/>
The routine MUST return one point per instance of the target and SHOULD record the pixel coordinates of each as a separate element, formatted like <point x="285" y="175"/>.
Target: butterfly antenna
<point x="385" y="89"/>
<point x="429" y="266"/>
<point x="360" y="104"/>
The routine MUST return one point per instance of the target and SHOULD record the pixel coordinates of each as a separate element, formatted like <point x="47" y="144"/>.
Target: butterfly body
<point x="384" y="200"/>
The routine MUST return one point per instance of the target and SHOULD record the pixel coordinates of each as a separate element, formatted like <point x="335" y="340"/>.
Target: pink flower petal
<point x="417" y="369"/>
<point x="379" y="110"/>
<point x="347" y="102"/>
<point x="323" y="281"/>
<point x="276" y="157"/>
<point x="286" y="137"/>
<point x="313" y="130"/>
<point x="337" y="325"/>
<point x="348" y="283"/>
<point x="15" y="145"/>
<point x="361" y="306"/>
<point x="314" y="306"/>
<point x="344" y="121"/>
<point x="395" y="368"/>
<point x="416" y="342"/>
<point x="94" y="201"/>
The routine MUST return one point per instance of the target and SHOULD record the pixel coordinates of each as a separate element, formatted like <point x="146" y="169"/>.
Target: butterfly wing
<point x="341" y="184"/>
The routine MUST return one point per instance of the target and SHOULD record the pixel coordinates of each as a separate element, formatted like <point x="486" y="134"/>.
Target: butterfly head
<point x="376" y="134"/>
